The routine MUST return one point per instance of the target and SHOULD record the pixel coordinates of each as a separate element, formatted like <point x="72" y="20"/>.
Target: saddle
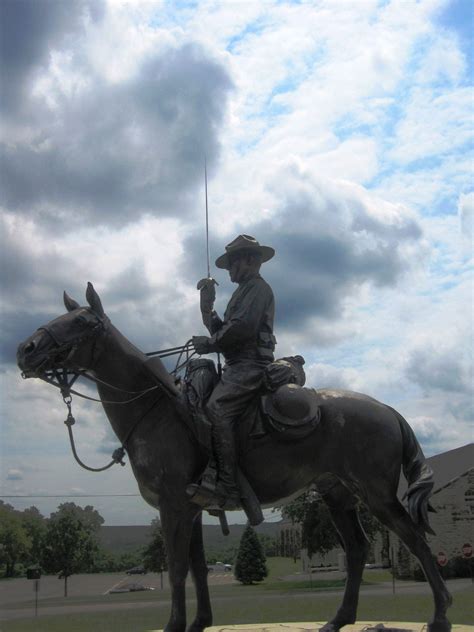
<point x="285" y="409"/>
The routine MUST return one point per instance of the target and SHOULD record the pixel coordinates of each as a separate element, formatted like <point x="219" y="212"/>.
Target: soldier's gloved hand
<point x="207" y="287"/>
<point x="202" y="344"/>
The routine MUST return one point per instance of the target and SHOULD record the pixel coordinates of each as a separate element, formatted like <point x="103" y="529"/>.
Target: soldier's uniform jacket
<point x="247" y="329"/>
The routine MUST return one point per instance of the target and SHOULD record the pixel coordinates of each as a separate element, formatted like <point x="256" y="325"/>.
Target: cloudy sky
<point x="337" y="132"/>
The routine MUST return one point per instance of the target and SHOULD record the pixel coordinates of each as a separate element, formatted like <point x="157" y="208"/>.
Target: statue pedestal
<point x="309" y="626"/>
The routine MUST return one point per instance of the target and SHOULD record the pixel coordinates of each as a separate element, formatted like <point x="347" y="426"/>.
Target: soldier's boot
<point x="218" y="489"/>
<point x="227" y="491"/>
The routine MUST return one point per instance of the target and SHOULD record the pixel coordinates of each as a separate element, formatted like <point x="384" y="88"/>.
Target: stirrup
<point x="206" y="497"/>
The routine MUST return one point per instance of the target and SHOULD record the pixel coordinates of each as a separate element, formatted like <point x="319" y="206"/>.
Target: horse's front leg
<point x="199" y="573"/>
<point x="177" y="528"/>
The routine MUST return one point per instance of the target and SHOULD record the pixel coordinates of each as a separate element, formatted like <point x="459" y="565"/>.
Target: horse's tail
<point x="419" y="476"/>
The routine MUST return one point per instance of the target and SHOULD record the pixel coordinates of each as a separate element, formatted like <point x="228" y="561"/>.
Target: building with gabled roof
<point x="453" y="522"/>
<point x="453" y="502"/>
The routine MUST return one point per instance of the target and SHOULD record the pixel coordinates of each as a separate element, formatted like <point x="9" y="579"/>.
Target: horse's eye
<point x="81" y="320"/>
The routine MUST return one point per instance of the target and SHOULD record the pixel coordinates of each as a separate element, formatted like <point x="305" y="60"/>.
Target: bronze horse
<point x="358" y="450"/>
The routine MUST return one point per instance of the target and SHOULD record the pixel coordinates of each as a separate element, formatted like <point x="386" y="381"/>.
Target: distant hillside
<point x="129" y="538"/>
<point x="124" y="539"/>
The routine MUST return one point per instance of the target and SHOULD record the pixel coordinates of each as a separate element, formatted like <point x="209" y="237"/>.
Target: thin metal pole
<point x="219" y="366"/>
<point x="393" y="570"/>
<point x="207" y="222"/>
<point x="36" y="596"/>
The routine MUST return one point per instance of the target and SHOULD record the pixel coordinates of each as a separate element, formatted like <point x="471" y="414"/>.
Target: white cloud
<point x="335" y="131"/>
<point x="442" y="61"/>
<point x="466" y="219"/>
<point x="14" y="474"/>
<point x="433" y="125"/>
<point x="320" y="375"/>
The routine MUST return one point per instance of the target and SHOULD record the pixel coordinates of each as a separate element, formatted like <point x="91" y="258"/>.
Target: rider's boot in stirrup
<point x="227" y="491"/>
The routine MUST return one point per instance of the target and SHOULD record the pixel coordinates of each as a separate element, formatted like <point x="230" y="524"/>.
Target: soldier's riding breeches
<point x="239" y="384"/>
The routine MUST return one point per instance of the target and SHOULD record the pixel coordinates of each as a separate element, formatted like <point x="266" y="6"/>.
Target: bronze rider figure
<point x="245" y="338"/>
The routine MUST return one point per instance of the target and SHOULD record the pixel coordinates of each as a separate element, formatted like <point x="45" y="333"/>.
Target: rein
<point x="186" y="349"/>
<point x="64" y="380"/>
<point x="65" y="386"/>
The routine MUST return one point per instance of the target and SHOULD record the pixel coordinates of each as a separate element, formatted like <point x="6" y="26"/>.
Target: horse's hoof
<point x="439" y="626"/>
<point x="199" y="626"/>
<point x="329" y="627"/>
<point x="175" y="627"/>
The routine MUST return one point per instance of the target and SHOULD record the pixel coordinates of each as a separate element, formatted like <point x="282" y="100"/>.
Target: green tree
<point x="70" y="543"/>
<point x="14" y="541"/>
<point x="34" y="524"/>
<point x="250" y="565"/>
<point x="269" y="544"/>
<point x="318" y="533"/>
<point x="154" y="555"/>
<point x="127" y="560"/>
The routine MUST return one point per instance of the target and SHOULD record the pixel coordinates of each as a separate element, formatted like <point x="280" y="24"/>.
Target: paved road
<point x="21" y="590"/>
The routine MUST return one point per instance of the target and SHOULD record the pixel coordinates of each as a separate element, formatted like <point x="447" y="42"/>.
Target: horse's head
<point x="68" y="341"/>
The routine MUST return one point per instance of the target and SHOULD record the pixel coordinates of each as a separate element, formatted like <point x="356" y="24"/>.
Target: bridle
<point x="63" y="378"/>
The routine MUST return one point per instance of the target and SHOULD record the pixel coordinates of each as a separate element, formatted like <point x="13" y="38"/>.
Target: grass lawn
<point x="281" y="566"/>
<point x="234" y="604"/>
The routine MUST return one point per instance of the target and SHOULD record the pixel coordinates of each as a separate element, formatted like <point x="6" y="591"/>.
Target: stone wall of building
<point x="331" y="559"/>
<point x="289" y="539"/>
<point x="453" y="523"/>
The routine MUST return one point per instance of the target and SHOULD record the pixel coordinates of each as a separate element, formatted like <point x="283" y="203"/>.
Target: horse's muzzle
<point x="29" y="359"/>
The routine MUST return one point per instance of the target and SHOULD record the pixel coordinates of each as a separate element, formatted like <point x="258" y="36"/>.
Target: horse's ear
<point x="69" y="302"/>
<point x="94" y="300"/>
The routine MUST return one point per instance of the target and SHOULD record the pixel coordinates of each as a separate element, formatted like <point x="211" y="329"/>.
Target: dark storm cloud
<point x="327" y="246"/>
<point x="129" y="285"/>
<point x="33" y="279"/>
<point x="29" y="31"/>
<point x="314" y="274"/>
<point x="27" y="272"/>
<point x="437" y="370"/>
<point x="31" y="285"/>
<point x="114" y="152"/>
<point x="18" y="327"/>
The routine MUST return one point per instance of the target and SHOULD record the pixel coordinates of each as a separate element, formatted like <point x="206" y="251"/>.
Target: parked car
<point x="219" y="567"/>
<point x="136" y="570"/>
<point x="223" y="567"/>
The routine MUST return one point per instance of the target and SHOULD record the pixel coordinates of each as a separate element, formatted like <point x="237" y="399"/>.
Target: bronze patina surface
<point x="358" y="450"/>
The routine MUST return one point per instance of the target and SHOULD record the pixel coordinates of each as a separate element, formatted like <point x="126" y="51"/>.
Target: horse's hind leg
<point x="341" y="505"/>
<point x="394" y="516"/>
<point x="199" y="573"/>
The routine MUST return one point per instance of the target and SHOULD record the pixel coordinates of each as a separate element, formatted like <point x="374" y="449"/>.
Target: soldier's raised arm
<point x="211" y="320"/>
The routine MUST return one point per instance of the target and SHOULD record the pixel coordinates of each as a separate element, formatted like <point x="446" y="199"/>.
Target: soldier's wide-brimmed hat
<point x="243" y="243"/>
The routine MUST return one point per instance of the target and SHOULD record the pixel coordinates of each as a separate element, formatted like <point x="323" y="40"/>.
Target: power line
<point x="72" y="496"/>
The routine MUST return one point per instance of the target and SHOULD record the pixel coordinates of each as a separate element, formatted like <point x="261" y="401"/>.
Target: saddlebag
<point x="287" y="370"/>
<point x="199" y="382"/>
<point x="291" y="412"/>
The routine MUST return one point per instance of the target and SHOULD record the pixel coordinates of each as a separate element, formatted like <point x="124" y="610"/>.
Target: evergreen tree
<point x="250" y="565"/>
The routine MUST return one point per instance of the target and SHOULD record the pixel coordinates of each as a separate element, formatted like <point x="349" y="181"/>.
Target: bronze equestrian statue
<point x="245" y="338"/>
<point x="358" y="449"/>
